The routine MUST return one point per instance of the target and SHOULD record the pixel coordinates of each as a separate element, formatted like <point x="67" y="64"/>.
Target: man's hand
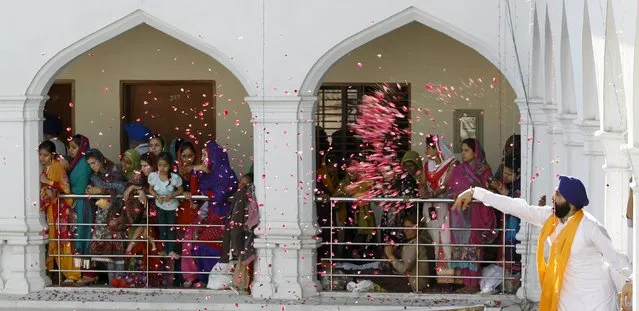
<point x="463" y="199"/>
<point x="542" y="200"/>
<point x="626" y="297"/>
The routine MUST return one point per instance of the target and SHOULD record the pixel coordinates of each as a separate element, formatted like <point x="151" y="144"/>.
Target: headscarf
<point x="221" y="180"/>
<point x="107" y="165"/>
<point x="174" y="147"/>
<point x="476" y="167"/>
<point x="413" y="156"/>
<point x="84" y="147"/>
<point x="444" y="153"/>
<point x="134" y="157"/>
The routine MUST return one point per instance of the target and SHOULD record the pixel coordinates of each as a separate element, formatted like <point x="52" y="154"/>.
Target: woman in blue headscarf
<point x="218" y="182"/>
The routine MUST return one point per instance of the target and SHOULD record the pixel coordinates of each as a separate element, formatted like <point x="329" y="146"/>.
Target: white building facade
<point x="568" y="65"/>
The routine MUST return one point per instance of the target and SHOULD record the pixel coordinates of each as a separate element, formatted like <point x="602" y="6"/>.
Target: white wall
<point x="144" y="53"/>
<point x="419" y="55"/>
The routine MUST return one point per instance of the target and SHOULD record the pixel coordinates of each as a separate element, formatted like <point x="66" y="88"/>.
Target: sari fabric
<point x="436" y="177"/>
<point x="58" y="211"/>
<point x="465" y="175"/>
<point x="79" y="176"/>
<point x="111" y="181"/>
<point x="187" y="210"/>
<point x="219" y="184"/>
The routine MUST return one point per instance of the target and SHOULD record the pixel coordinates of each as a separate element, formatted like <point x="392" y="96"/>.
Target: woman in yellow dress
<point x="53" y="182"/>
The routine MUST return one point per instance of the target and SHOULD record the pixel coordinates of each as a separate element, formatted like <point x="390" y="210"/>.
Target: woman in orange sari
<point x="53" y="182"/>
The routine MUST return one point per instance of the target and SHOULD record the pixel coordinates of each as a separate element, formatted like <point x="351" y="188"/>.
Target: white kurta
<point x="587" y="284"/>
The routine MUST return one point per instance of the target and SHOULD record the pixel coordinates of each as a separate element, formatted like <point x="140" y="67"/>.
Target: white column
<point x="634" y="233"/>
<point x="555" y="140"/>
<point x="573" y="142"/>
<point x="285" y="169"/>
<point x="22" y="256"/>
<point x="616" y="170"/>
<point x="592" y="167"/>
<point x="533" y="153"/>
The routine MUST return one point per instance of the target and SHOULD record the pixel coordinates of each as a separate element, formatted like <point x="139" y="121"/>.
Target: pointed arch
<point x="612" y="109"/>
<point x="568" y="101"/>
<point x="537" y="70"/>
<point x="313" y="79"/>
<point x="45" y="76"/>
<point x="590" y="89"/>
<point x="549" y="63"/>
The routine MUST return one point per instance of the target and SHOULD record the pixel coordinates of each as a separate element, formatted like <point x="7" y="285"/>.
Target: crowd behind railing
<point x="377" y="244"/>
<point x="173" y="215"/>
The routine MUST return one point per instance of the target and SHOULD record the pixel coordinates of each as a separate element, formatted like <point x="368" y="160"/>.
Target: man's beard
<point x="561" y="210"/>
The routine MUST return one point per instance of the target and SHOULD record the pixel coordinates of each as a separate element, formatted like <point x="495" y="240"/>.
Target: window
<point x="468" y="123"/>
<point x="337" y="108"/>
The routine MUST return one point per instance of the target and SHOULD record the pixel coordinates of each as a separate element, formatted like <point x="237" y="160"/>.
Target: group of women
<point x="443" y="177"/>
<point x="139" y="241"/>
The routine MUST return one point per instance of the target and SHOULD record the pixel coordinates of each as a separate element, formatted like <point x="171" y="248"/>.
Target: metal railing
<point x="334" y="262"/>
<point x="145" y="238"/>
<point x="417" y="205"/>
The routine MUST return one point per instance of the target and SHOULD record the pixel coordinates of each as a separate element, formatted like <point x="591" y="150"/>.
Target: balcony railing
<point x="336" y="262"/>
<point x="332" y="264"/>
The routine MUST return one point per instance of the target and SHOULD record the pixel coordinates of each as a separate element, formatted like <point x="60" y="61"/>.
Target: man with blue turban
<point x="138" y="136"/>
<point x="576" y="275"/>
<point x="51" y="128"/>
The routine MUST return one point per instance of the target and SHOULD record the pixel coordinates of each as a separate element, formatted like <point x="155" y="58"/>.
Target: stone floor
<point x="53" y="299"/>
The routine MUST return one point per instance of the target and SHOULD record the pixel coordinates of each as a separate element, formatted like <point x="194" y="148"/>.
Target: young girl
<point x="156" y="145"/>
<point x="164" y="186"/>
<point x="54" y="181"/>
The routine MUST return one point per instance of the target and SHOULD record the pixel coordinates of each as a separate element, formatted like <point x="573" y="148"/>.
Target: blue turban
<point x="52" y="124"/>
<point x="137" y="131"/>
<point x="573" y="190"/>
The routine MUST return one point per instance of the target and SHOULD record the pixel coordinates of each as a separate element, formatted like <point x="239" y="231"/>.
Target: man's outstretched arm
<point x="536" y="215"/>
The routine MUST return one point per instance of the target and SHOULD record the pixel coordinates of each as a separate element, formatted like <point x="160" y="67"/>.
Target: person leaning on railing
<point x="53" y="182"/>
<point x="576" y="276"/>
<point x="412" y="259"/>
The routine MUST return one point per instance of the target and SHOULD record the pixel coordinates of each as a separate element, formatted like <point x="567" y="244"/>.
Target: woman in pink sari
<point x="472" y="171"/>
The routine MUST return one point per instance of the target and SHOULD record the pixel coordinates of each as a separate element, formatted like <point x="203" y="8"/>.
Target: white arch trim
<point x="45" y="76"/>
<point x="313" y="79"/>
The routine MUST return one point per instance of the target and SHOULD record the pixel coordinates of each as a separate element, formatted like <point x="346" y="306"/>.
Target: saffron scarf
<point x="551" y="273"/>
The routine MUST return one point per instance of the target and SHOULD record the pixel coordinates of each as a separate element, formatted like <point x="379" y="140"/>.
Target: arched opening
<point x="443" y="87"/>
<point x="140" y="70"/>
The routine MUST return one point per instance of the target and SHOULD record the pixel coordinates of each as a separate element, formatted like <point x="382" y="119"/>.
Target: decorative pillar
<point x="22" y="256"/>
<point x="593" y="173"/>
<point x="556" y="148"/>
<point x="616" y="170"/>
<point x="534" y="151"/>
<point x="285" y="170"/>
<point x="573" y="142"/>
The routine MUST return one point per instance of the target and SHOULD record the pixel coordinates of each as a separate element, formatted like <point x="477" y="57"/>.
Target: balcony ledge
<point x="53" y="299"/>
